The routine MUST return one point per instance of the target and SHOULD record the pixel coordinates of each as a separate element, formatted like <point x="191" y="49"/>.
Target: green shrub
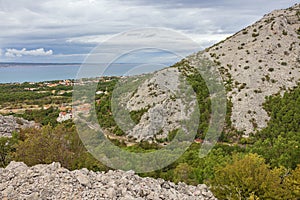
<point x="249" y="177"/>
<point x="284" y="32"/>
<point x="298" y="31"/>
<point x="271" y="69"/>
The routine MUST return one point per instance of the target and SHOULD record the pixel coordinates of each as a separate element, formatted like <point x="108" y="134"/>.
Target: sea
<point x="39" y="72"/>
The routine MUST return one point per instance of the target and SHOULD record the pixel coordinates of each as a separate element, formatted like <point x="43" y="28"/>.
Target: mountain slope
<point x="260" y="60"/>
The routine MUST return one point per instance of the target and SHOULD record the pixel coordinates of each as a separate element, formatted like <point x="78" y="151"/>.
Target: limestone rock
<point x="9" y="124"/>
<point x="261" y="60"/>
<point x="17" y="181"/>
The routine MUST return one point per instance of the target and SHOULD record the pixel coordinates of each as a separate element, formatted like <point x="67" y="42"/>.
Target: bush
<point x="248" y="177"/>
<point x="279" y="142"/>
<point x="298" y="31"/>
<point x="6" y="147"/>
<point x="284" y="63"/>
<point x="293" y="182"/>
<point x="59" y="144"/>
<point x="284" y="32"/>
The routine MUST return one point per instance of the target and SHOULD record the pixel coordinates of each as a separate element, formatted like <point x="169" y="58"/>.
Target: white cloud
<point x="93" y="39"/>
<point x="205" y="39"/>
<point x="153" y="37"/>
<point x="25" y="52"/>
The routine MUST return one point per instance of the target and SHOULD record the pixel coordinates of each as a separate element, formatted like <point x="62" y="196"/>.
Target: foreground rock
<point x="17" y="181"/>
<point x="9" y="124"/>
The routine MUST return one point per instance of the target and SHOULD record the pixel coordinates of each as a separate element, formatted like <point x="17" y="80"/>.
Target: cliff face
<point x="17" y="181"/>
<point x="260" y="60"/>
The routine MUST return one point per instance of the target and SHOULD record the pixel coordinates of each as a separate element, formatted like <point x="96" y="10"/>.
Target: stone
<point x="8" y="190"/>
<point x="33" y="196"/>
<point x="17" y="181"/>
<point x="83" y="179"/>
<point x="9" y="124"/>
<point x="16" y="166"/>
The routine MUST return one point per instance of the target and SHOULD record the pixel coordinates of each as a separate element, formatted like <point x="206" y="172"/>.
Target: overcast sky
<point x="67" y="30"/>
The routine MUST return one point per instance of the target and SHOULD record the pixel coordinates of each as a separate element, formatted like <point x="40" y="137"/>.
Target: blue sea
<point x="33" y="72"/>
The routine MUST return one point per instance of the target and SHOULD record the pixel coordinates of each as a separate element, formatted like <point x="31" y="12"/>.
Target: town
<point x="53" y="97"/>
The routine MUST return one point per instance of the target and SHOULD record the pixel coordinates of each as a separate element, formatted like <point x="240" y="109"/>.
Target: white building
<point x="64" y="116"/>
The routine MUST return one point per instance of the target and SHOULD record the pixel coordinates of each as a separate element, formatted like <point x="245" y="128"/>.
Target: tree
<point x="293" y="182"/>
<point x="6" y="147"/>
<point x="280" y="151"/>
<point x="43" y="146"/>
<point x="184" y="173"/>
<point x="249" y="177"/>
<point x="279" y="142"/>
<point x="59" y="144"/>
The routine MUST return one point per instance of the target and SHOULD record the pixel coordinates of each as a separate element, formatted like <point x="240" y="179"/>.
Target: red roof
<point x="198" y="140"/>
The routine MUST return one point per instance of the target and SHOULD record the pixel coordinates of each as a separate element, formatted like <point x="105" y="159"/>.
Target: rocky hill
<point x="17" y="181"/>
<point x="258" y="61"/>
<point x="160" y="98"/>
<point x="9" y="124"/>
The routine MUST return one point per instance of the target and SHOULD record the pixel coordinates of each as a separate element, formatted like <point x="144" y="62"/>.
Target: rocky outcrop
<point x="9" y="124"/>
<point x="17" y="181"/>
<point x="167" y="99"/>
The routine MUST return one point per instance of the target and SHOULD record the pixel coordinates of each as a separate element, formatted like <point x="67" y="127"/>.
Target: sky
<point x="66" y="31"/>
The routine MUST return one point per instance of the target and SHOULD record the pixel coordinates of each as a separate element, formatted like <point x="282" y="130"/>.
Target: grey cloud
<point x="71" y="26"/>
<point x="254" y="5"/>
